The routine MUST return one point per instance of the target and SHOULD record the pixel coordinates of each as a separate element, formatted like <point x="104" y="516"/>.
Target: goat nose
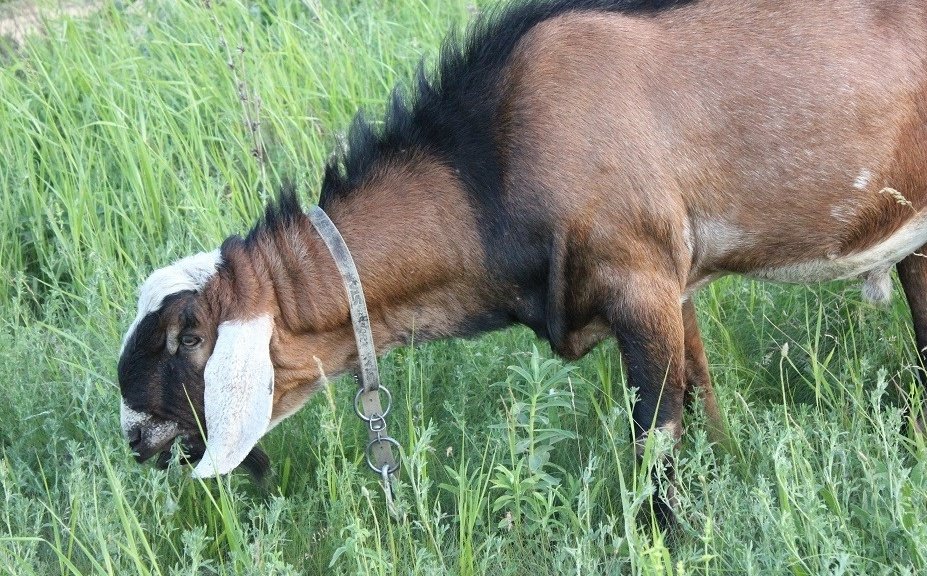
<point x="134" y="436"/>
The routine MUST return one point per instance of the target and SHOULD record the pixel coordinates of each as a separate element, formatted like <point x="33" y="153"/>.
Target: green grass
<point x="124" y="145"/>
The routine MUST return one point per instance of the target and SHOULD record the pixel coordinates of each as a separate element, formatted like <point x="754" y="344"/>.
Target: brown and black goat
<point x="581" y="167"/>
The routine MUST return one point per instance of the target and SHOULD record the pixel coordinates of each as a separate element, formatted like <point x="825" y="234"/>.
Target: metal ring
<point x="367" y="453"/>
<point x="364" y="417"/>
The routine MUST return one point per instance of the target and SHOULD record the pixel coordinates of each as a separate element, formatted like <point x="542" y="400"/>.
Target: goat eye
<point x="189" y="341"/>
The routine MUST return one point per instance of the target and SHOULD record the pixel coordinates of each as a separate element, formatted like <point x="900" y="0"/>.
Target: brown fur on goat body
<point x="420" y="263"/>
<point x="588" y="174"/>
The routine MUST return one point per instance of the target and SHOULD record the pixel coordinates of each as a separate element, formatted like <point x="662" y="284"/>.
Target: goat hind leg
<point x="913" y="274"/>
<point x="698" y="378"/>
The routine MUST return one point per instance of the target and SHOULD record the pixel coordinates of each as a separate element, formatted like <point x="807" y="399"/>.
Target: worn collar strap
<point x="379" y="451"/>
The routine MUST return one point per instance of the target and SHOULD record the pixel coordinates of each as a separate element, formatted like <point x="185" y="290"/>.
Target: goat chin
<point x="257" y="463"/>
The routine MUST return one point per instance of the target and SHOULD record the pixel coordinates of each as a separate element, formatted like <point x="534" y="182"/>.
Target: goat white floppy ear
<point x="239" y="394"/>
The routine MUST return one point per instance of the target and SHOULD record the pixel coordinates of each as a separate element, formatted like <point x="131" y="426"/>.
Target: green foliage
<point x="127" y="140"/>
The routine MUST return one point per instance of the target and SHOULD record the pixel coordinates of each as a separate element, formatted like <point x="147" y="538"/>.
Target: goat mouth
<point x="187" y="447"/>
<point x="164" y="458"/>
<point x="192" y="449"/>
<point x="144" y="454"/>
<point x="188" y="455"/>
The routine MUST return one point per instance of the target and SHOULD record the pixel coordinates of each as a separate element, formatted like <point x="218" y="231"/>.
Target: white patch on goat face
<point x="190" y="273"/>
<point x="881" y="256"/>
<point x="863" y="180"/>
<point x="130" y="418"/>
<point x="155" y="432"/>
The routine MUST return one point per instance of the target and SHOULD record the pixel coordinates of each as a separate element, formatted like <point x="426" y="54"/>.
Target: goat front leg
<point x="913" y="274"/>
<point x="648" y="324"/>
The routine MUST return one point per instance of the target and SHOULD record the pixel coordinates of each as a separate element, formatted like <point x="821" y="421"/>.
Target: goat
<point x="581" y="167"/>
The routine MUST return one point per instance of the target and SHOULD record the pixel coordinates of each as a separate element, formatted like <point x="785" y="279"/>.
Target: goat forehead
<point x="187" y="274"/>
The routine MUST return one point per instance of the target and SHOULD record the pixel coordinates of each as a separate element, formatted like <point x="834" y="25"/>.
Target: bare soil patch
<point x="20" y="18"/>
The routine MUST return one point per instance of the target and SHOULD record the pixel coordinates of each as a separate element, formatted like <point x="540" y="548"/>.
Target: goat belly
<point x="873" y="264"/>
<point x="880" y="256"/>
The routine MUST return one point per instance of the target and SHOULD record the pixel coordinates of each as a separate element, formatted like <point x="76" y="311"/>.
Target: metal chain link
<point x="377" y="425"/>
